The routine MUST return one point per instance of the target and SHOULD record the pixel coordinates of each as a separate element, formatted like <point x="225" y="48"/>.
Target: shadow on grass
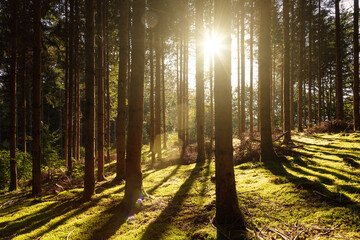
<point x="316" y="190"/>
<point x="151" y="191"/>
<point x="159" y="226"/>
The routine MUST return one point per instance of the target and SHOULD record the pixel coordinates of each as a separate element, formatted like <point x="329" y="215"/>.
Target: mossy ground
<point x="301" y="197"/>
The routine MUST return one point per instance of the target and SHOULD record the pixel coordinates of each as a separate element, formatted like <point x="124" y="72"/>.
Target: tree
<point x="286" y="68"/>
<point x="71" y="85"/>
<point x="227" y="208"/>
<point x="157" y="40"/>
<point x="200" y="108"/>
<point x="310" y="66"/>
<point x="100" y="84"/>
<point x="122" y="83"/>
<point x="13" y="81"/>
<point x="356" y="66"/>
<point x="319" y="65"/>
<point x="301" y="65"/>
<point x="136" y="108"/>
<point x="339" y="90"/>
<point x="36" y="146"/>
<point x="77" y="82"/>
<point x="89" y="135"/>
<point x="251" y="68"/>
<point x="152" y="112"/>
<point x="266" y="146"/>
<point x="242" y="42"/>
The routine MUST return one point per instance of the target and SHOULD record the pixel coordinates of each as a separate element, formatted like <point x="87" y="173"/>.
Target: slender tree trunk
<point x="292" y="66"/>
<point x="339" y="90"/>
<point x="77" y="82"/>
<point x="163" y="93"/>
<point x="100" y="82"/>
<point x="251" y="68"/>
<point x="238" y="72"/>
<point x="107" y="81"/>
<point x="267" y="150"/>
<point x="24" y="90"/>
<point x="71" y="85"/>
<point x="89" y="135"/>
<point x="200" y="108"/>
<point x="301" y="65"/>
<point x="157" y="145"/>
<point x="66" y="134"/>
<point x="152" y="113"/>
<point x="286" y="90"/>
<point x="310" y="66"/>
<point x="122" y="84"/>
<point x="356" y="66"/>
<point x="136" y="108"/>
<point x="211" y="102"/>
<point x="242" y="23"/>
<point x="187" y="91"/>
<point x="319" y="65"/>
<point x="13" y="108"/>
<point x="36" y="147"/>
<point x="227" y="208"/>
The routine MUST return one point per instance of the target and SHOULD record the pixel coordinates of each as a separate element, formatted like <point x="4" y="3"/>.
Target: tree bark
<point x="227" y="207"/>
<point x="251" y="68"/>
<point x="100" y="94"/>
<point x="242" y="42"/>
<point x="157" y="41"/>
<point x="152" y="112"/>
<point x="200" y="108"/>
<point x="122" y="85"/>
<point x="136" y="108"/>
<point x="71" y="85"/>
<point x="356" y="66"/>
<point x="319" y="66"/>
<point x="89" y="135"/>
<point x="301" y="65"/>
<point x="310" y="67"/>
<point x="339" y="90"/>
<point x="13" y="86"/>
<point x="77" y="82"/>
<point x="36" y="147"/>
<point x="163" y="93"/>
<point x="267" y="150"/>
<point x="286" y="76"/>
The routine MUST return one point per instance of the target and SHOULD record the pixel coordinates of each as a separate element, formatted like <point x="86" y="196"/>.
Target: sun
<point x="212" y="44"/>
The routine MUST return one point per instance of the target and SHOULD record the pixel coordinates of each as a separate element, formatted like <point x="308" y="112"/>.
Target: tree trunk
<point x="77" y="82"/>
<point x="242" y="23"/>
<point x="301" y="65"/>
<point x="71" y="85"/>
<point x="310" y="66"/>
<point x="251" y="111"/>
<point x="24" y="91"/>
<point x="36" y="147"/>
<point x="66" y="134"/>
<point x="136" y="108"/>
<point x="292" y="66"/>
<point x="211" y="69"/>
<point x="356" y="66"/>
<point x="200" y="108"/>
<point x="238" y="71"/>
<point x="286" y="90"/>
<point x="157" y="144"/>
<point x="89" y="135"/>
<point x="100" y="82"/>
<point x="339" y="90"/>
<point x="13" y="83"/>
<point x="267" y="150"/>
<point x="122" y="84"/>
<point x="152" y="113"/>
<point x="227" y="207"/>
<point x="163" y="93"/>
<point x="319" y="66"/>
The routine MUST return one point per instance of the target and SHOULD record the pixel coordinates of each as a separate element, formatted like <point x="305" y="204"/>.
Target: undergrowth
<point x="315" y="195"/>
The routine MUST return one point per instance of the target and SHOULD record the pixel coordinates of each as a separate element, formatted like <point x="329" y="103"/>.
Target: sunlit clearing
<point x="212" y="44"/>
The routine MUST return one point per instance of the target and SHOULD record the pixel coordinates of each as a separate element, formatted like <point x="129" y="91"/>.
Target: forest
<point x="179" y="119"/>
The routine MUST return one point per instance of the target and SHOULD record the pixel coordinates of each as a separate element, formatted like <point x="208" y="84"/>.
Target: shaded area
<point x="153" y="230"/>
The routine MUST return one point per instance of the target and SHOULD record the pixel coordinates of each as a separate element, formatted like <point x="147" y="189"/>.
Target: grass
<point x="301" y="197"/>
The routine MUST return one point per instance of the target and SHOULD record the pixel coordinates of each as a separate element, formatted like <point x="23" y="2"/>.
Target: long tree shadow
<point x="151" y="191"/>
<point x="157" y="228"/>
<point x="322" y="194"/>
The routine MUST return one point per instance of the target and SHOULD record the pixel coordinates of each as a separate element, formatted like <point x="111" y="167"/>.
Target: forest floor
<point x="315" y="195"/>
